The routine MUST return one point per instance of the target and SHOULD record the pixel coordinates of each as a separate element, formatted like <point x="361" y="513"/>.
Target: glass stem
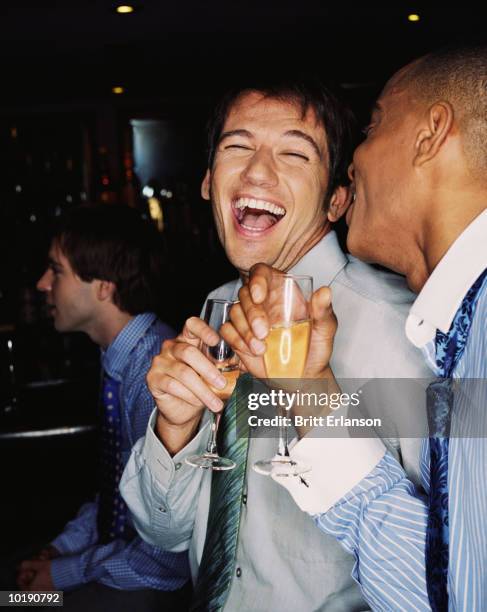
<point x="211" y="448"/>
<point x="282" y="449"/>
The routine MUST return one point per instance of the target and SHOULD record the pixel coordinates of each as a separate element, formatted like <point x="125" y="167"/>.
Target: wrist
<point x="176" y="436"/>
<point x="324" y="383"/>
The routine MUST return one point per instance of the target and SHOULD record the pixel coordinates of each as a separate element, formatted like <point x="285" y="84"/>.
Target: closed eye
<point x="296" y="154"/>
<point x="55" y="269"/>
<point x="237" y="146"/>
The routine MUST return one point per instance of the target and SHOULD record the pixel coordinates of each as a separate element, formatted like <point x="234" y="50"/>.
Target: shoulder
<point x="149" y="345"/>
<point x="228" y="291"/>
<point x="224" y="292"/>
<point x="370" y="293"/>
<point x="372" y="306"/>
<point x="374" y="285"/>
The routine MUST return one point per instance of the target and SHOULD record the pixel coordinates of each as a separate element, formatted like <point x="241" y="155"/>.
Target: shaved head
<point x="458" y="76"/>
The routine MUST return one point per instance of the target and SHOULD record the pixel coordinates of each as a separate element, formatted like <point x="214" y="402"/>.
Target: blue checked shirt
<point x="382" y="519"/>
<point x="120" y="564"/>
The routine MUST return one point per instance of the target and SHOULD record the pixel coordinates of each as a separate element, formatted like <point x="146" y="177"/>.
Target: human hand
<point x="35" y="575"/>
<point x="180" y="380"/>
<point x="250" y="325"/>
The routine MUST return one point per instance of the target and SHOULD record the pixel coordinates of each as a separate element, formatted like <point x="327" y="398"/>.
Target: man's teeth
<point x="242" y="203"/>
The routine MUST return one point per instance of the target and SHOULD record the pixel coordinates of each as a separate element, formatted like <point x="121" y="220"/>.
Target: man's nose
<point x="45" y="282"/>
<point x="260" y="169"/>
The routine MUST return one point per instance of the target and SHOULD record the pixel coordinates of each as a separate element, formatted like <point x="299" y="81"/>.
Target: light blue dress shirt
<point x="120" y="564"/>
<point x="382" y="519"/>
<point x="282" y="562"/>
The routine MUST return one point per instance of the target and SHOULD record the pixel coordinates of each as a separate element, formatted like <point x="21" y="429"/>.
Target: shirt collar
<point x="115" y="357"/>
<point x="323" y="262"/>
<point x="443" y="292"/>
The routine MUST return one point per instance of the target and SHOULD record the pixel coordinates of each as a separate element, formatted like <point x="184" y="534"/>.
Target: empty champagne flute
<point x="287" y="308"/>
<point x="224" y="358"/>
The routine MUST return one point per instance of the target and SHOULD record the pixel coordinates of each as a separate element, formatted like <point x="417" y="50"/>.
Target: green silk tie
<point x="218" y="559"/>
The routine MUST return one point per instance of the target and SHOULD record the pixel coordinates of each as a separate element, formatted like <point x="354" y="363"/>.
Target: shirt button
<point x="244" y="499"/>
<point x="161" y="509"/>
<point x="238" y="572"/>
<point x="178" y="466"/>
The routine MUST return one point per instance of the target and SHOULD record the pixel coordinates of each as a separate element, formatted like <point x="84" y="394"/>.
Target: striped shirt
<point x="120" y="564"/>
<point x="382" y="519"/>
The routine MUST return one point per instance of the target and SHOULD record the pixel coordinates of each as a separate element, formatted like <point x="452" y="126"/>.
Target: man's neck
<point x="107" y="327"/>
<point x="298" y="252"/>
<point x="443" y="227"/>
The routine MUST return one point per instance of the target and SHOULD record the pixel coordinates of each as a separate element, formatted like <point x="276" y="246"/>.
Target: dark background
<point x="66" y="138"/>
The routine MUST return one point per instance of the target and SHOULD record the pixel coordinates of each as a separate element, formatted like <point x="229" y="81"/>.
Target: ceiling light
<point x="118" y="90"/>
<point x="413" y="17"/>
<point x="124" y="9"/>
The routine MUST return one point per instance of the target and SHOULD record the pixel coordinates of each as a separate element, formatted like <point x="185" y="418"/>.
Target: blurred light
<point x="69" y="198"/>
<point x="124" y="9"/>
<point x="33" y="218"/>
<point x="9" y="344"/>
<point x="169" y="194"/>
<point x="18" y="188"/>
<point x="155" y="211"/>
<point x="117" y="89"/>
<point x="413" y="17"/>
<point x="148" y="192"/>
<point x="163" y="192"/>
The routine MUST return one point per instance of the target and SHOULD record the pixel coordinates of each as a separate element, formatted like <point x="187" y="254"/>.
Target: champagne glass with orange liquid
<point x="223" y="357"/>
<point x="288" y="310"/>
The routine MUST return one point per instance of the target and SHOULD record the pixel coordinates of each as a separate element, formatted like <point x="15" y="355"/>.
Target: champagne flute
<point x="218" y="312"/>
<point x="287" y="345"/>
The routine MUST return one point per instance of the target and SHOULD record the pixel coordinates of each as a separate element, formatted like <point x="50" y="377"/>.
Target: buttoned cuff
<point x="67" y="573"/>
<point x="166" y="469"/>
<point x="337" y="465"/>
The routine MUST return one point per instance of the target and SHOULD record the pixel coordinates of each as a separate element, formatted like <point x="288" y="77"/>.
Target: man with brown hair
<point x="102" y="277"/>
<point x="277" y="180"/>
<point x="420" y="205"/>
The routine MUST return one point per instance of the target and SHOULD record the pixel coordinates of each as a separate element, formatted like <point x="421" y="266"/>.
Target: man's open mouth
<point x="257" y="215"/>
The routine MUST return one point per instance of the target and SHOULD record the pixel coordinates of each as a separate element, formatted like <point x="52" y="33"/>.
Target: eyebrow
<point x="292" y="133"/>
<point x="231" y="133"/>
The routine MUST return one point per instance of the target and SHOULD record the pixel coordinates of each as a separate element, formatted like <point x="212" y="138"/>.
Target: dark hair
<point x="113" y="243"/>
<point x="307" y="92"/>
<point x="456" y="74"/>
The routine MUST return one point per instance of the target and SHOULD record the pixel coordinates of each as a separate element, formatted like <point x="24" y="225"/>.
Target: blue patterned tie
<point x="112" y="511"/>
<point x="218" y="558"/>
<point x="449" y="349"/>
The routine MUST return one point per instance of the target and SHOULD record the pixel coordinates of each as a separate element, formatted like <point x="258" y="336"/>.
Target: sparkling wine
<point x="287" y="350"/>
<point x="230" y="373"/>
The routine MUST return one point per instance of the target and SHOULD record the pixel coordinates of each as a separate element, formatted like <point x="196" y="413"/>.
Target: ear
<point x="205" y="186"/>
<point x="431" y="138"/>
<point x="340" y="201"/>
<point x="104" y="290"/>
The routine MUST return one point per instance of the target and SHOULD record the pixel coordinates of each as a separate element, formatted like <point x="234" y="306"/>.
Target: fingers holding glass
<point x="287" y="305"/>
<point x="224" y="360"/>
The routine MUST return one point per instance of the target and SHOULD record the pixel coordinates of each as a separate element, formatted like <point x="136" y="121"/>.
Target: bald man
<point x="420" y="180"/>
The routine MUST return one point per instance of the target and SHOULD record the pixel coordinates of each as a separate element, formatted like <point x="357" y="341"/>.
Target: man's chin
<point x="60" y="326"/>
<point x="244" y="263"/>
